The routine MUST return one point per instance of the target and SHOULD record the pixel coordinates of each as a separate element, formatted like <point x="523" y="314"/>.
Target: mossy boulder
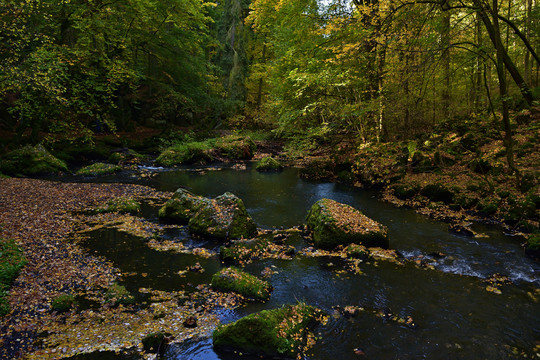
<point x="437" y="192"/>
<point x="268" y="164"/>
<point x="30" y="160"/>
<point x="333" y="223"/>
<point x="532" y="247"/>
<point x="63" y="302"/>
<point x="235" y="280"/>
<point x="281" y="332"/>
<point x="118" y="295"/>
<point x="123" y="205"/>
<point x="224" y="217"/>
<point x="181" y="207"/>
<point x="99" y="168"/>
<point x="236" y="147"/>
<point x="196" y="152"/>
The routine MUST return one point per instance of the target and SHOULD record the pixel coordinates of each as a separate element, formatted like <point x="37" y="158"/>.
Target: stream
<point x="455" y="317"/>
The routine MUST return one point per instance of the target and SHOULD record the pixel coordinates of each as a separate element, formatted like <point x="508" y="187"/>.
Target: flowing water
<point x="455" y="317"/>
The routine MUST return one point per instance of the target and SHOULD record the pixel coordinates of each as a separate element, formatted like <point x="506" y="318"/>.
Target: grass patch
<point x="11" y="262"/>
<point x="99" y="168"/>
<point x="238" y="281"/>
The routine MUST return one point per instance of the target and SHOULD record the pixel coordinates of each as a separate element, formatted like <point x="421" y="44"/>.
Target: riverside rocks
<point x="333" y="223"/>
<point x="224" y="217"/>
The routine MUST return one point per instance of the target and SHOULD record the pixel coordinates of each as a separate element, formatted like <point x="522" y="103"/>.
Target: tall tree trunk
<point x="495" y="37"/>
<point x="528" y="64"/>
<point x="478" y="68"/>
<point x="445" y="96"/>
<point x="503" y="88"/>
<point x="259" y="92"/>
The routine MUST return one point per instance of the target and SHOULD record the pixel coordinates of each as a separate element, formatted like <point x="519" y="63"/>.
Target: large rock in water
<point x="224" y="217"/>
<point x="280" y="333"/>
<point x="334" y="223"/>
<point x="181" y="207"/>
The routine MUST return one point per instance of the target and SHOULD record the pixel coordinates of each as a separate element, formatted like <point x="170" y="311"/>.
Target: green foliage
<point x="98" y="169"/>
<point x="238" y="281"/>
<point x="11" y="262"/>
<point x="276" y="332"/>
<point x="533" y="242"/>
<point x="118" y="295"/>
<point x="63" y="302"/>
<point x="30" y="160"/>
<point x="268" y="164"/>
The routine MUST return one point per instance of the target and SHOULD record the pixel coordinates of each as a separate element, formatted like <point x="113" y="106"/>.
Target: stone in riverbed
<point x="181" y="207"/>
<point x="333" y="223"/>
<point x="280" y="332"/>
<point x="224" y="217"/>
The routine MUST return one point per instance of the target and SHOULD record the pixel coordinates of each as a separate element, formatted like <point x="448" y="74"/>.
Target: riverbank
<point x="40" y="216"/>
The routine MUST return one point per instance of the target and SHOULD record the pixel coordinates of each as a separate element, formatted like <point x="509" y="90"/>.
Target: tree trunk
<point x="528" y="64"/>
<point x="503" y="88"/>
<point x="259" y="92"/>
<point x="495" y="36"/>
<point x="445" y="36"/>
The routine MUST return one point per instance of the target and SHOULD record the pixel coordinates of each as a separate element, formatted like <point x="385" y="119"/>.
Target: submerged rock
<point x="281" y="332"/>
<point x="224" y="217"/>
<point x="333" y="223"/>
<point x="240" y="282"/>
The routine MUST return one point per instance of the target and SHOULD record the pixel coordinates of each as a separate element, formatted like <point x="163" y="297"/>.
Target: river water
<point x="455" y="317"/>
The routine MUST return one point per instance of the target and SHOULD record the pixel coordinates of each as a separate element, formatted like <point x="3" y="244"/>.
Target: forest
<point x="162" y="161"/>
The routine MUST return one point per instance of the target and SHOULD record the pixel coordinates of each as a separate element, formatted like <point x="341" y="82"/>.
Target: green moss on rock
<point x="235" y="280"/>
<point x="121" y="205"/>
<point x="236" y="147"/>
<point x="224" y="217"/>
<point x="30" y="160"/>
<point x="281" y="332"/>
<point x="181" y="207"/>
<point x="333" y="223"/>
<point x="268" y="164"/>
<point x="63" y="302"/>
<point x="98" y="169"/>
<point x="118" y="295"/>
<point x="199" y="152"/>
